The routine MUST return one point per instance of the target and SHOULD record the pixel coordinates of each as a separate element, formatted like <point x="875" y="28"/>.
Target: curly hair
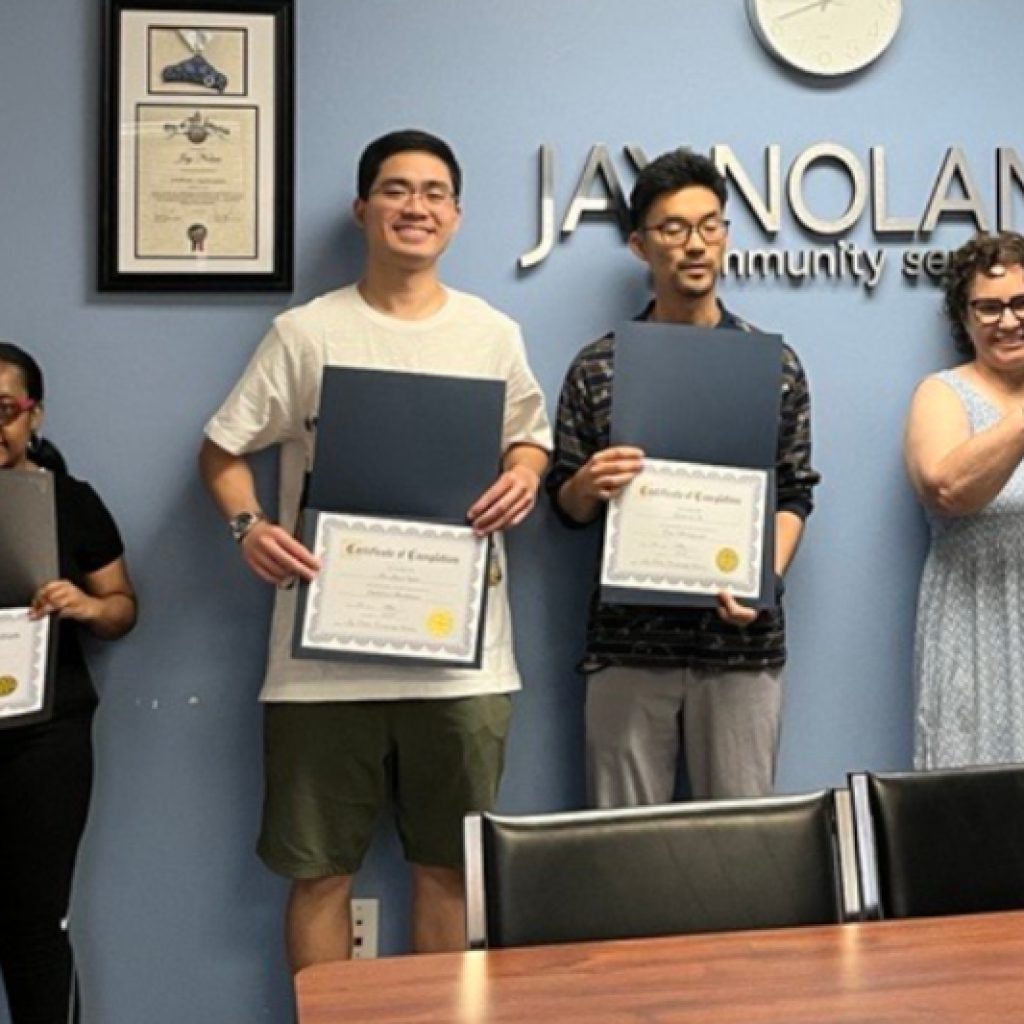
<point x="977" y="256"/>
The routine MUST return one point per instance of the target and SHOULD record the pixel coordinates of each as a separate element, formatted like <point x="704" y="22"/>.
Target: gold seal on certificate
<point x="440" y="623"/>
<point x="687" y="528"/>
<point x="23" y="659"/>
<point x="727" y="559"/>
<point x="394" y="588"/>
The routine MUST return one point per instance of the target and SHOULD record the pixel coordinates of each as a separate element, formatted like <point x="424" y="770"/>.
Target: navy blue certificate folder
<point x="414" y="445"/>
<point x="698" y="394"/>
<point x="405" y="446"/>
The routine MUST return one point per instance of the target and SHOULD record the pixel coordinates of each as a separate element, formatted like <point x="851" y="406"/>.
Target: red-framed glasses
<point x="12" y="408"/>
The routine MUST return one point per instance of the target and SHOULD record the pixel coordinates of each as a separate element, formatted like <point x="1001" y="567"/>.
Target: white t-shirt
<point x="277" y="399"/>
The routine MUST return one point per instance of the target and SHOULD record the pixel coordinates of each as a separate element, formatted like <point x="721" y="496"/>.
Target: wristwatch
<point x="242" y="523"/>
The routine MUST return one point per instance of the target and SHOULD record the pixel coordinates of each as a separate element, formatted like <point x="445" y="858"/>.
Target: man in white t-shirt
<point x="345" y="738"/>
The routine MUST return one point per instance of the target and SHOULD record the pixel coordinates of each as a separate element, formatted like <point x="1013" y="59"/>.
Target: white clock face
<point x="826" y="37"/>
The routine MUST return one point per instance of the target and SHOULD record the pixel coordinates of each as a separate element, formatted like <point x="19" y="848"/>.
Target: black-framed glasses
<point x="398" y="193"/>
<point x="12" y="408"/>
<point x="676" y="231"/>
<point x="988" y="312"/>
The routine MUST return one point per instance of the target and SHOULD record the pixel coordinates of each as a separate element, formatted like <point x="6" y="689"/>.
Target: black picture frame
<point x="197" y="146"/>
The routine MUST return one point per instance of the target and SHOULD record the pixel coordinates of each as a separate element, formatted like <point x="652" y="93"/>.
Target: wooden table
<point x="952" y="970"/>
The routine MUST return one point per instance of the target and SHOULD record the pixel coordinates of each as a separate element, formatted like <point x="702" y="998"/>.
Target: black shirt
<point x="87" y="540"/>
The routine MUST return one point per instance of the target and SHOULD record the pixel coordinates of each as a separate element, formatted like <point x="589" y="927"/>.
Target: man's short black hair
<point x="670" y="172"/>
<point x="408" y="140"/>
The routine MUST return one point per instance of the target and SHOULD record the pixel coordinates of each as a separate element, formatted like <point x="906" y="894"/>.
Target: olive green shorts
<point x="332" y="767"/>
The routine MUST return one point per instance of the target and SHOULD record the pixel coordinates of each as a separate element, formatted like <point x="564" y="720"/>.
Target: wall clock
<point x="826" y="37"/>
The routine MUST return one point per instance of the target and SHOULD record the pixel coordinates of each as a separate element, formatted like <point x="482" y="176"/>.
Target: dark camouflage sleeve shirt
<point x="673" y="636"/>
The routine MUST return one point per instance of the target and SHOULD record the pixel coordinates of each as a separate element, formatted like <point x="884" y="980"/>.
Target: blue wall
<point x="175" y="917"/>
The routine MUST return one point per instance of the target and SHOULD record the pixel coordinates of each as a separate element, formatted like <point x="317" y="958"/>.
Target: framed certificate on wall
<point x="196" y="168"/>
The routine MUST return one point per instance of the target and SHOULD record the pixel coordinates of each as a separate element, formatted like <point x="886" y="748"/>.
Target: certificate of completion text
<point x="397" y="589"/>
<point x="687" y="528"/>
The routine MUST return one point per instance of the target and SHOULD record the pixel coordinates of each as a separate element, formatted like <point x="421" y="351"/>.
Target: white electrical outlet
<point x="365" y="915"/>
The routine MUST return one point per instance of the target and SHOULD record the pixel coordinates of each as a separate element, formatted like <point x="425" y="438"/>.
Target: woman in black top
<point x="46" y="767"/>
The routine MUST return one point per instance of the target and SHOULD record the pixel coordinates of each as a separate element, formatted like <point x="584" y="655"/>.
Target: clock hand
<point x="821" y="5"/>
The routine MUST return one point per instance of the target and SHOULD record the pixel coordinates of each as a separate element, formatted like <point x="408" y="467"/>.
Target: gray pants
<point x="725" y="720"/>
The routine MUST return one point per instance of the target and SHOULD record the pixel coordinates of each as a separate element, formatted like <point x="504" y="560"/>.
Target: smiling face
<point x="15" y="435"/>
<point x="998" y="346"/>
<point x="411" y="212"/>
<point x="691" y="268"/>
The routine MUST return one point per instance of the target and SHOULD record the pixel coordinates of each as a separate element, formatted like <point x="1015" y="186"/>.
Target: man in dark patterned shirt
<point x="662" y="679"/>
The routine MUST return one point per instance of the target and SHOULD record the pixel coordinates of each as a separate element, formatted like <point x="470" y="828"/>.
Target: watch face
<point x="826" y="37"/>
<point x="241" y="524"/>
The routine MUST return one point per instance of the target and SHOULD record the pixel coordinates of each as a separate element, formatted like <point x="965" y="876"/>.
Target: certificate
<point x="394" y="589"/>
<point x="197" y="190"/>
<point x="24" y="655"/>
<point x="197" y="149"/>
<point x="687" y="528"/>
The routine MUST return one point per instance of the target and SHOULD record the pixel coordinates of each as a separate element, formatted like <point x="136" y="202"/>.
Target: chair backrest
<point x="672" y="869"/>
<point x="940" y="842"/>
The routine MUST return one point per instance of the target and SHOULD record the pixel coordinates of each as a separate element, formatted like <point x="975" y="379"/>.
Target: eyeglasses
<point x="12" y="408"/>
<point x="398" y="193"/>
<point x="676" y="231"/>
<point x="988" y="312"/>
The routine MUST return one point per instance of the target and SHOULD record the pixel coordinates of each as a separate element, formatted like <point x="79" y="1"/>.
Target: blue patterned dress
<point x="969" y="647"/>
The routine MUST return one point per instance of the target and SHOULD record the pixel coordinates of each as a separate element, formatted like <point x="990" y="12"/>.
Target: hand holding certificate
<point x="689" y="527"/>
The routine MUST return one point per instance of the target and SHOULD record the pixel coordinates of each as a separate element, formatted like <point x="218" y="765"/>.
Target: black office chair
<point x="940" y="842"/>
<point x="665" y="870"/>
